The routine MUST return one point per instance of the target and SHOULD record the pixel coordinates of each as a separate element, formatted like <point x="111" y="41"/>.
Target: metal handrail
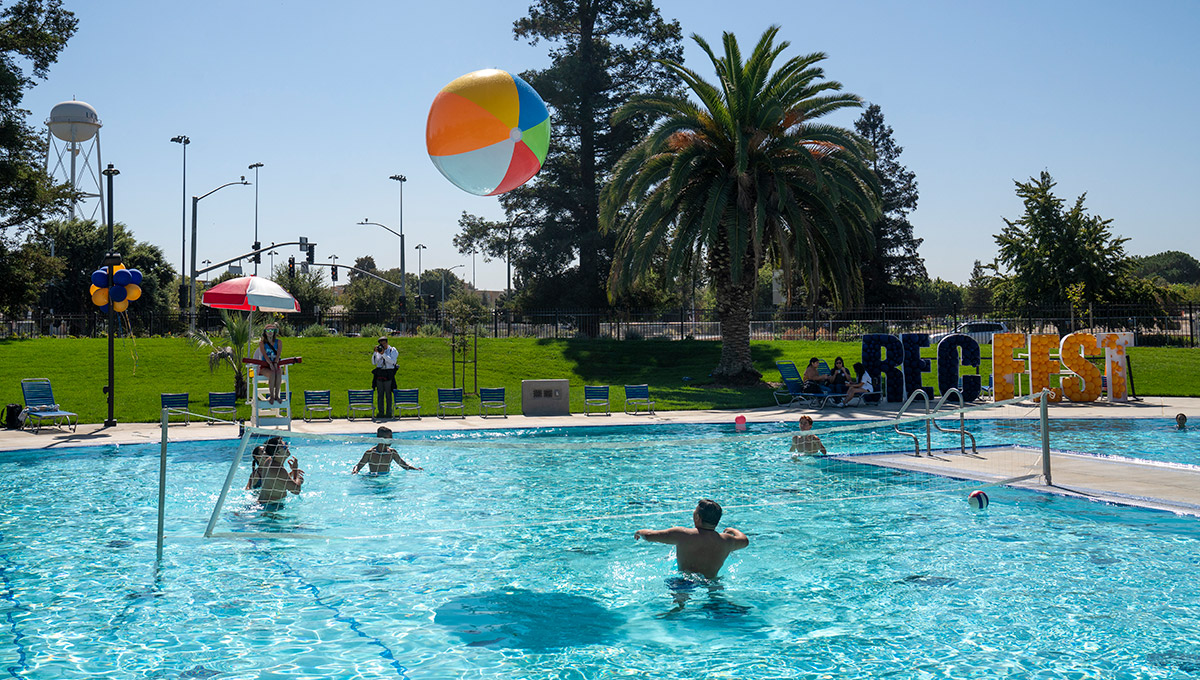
<point x="962" y="422"/>
<point x="928" y="431"/>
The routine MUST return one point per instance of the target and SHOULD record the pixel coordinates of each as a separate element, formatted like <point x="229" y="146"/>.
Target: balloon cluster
<point x="125" y="289"/>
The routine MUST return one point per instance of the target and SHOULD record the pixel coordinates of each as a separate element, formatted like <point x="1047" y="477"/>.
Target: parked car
<point x="981" y="331"/>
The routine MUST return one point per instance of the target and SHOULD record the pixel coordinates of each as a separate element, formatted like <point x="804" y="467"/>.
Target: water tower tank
<point x="73" y="121"/>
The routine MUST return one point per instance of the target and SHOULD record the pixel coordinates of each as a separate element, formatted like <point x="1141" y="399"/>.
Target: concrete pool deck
<point x="1119" y="481"/>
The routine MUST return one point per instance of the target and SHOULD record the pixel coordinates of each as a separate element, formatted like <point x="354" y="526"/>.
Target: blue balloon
<point x="137" y="276"/>
<point x="116" y="293"/>
<point x="122" y="277"/>
<point x="100" y="278"/>
<point x="104" y="308"/>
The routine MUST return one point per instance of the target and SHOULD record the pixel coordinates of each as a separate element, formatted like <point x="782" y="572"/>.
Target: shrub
<point x="851" y="332"/>
<point x="315" y="330"/>
<point x="429" y="330"/>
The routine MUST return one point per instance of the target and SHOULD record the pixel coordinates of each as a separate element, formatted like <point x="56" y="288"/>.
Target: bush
<point x="633" y="335"/>
<point x="315" y="330"/>
<point x="851" y="332"/>
<point x="429" y="330"/>
<point x="376" y="330"/>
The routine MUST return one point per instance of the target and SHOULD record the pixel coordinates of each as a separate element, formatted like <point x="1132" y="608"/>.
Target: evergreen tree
<point x="978" y="293"/>
<point x="604" y="52"/>
<point x="894" y="271"/>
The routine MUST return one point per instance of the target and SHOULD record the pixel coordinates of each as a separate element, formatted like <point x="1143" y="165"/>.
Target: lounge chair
<point x="361" y="400"/>
<point x="40" y="406"/>
<point x="636" y="397"/>
<point x="407" y="399"/>
<point x="317" y="401"/>
<point x="222" y="402"/>
<point x="177" y="400"/>
<point x="492" y="398"/>
<point x="450" y="399"/>
<point x="595" y="395"/>
<point x="793" y="389"/>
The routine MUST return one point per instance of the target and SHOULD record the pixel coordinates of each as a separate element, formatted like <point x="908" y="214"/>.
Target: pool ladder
<point x="931" y="423"/>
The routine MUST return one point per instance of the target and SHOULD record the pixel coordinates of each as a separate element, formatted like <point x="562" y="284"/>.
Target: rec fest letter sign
<point x="899" y="359"/>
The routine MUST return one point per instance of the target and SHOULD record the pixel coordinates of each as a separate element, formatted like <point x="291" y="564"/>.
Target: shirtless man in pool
<point x="379" y="458"/>
<point x="273" y="481"/>
<point x="699" y="549"/>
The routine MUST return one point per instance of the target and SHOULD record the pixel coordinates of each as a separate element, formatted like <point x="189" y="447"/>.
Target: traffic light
<point x="312" y="253"/>
<point x="257" y="258"/>
<point x="333" y="273"/>
<point x="291" y="267"/>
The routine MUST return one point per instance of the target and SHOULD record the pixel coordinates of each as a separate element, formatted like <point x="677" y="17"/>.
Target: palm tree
<point x="744" y="177"/>
<point x="236" y="330"/>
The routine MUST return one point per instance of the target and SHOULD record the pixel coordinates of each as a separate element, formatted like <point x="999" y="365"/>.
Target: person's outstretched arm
<point x="361" y="462"/>
<point x="403" y="463"/>
<point x="739" y="539"/>
<point x="669" y="536"/>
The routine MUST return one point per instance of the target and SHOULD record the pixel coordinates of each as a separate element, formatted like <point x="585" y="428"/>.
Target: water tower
<point x="73" y="142"/>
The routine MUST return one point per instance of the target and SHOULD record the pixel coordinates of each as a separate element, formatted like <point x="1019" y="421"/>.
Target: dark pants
<point x="383" y="395"/>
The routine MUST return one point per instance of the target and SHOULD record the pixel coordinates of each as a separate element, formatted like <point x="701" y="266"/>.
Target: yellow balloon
<point x="120" y="306"/>
<point x="100" y="297"/>
<point x="133" y="291"/>
<point x="117" y="267"/>
<point x="92" y="290"/>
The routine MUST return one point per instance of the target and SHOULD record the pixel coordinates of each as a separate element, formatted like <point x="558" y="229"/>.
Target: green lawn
<point x="676" y="371"/>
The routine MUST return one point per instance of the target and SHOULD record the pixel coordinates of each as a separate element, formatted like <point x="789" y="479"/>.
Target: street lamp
<point x="419" y="247"/>
<point x="255" y="167"/>
<point x="207" y="277"/>
<point x="111" y="258"/>
<point x="272" y="253"/>
<point x="403" y="284"/>
<point x="444" y="281"/>
<point x="183" y="140"/>
<point x="195" y="201"/>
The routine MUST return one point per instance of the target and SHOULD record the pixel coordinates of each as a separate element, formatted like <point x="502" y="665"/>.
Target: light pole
<point x="255" y="167"/>
<point x="195" y="201"/>
<point x="444" y="281"/>
<point x="272" y="253"/>
<point x="400" y="236"/>
<point x="207" y="277"/>
<point x="403" y="284"/>
<point x="111" y="258"/>
<point x="184" y="141"/>
<point x="419" y="247"/>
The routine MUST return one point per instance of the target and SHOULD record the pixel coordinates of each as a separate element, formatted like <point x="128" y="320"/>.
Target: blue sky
<point x="332" y="99"/>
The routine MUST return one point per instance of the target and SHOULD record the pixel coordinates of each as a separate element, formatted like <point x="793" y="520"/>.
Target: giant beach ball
<point x="488" y="132"/>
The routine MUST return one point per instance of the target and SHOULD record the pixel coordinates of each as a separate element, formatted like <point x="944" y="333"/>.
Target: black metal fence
<point x="1168" y="325"/>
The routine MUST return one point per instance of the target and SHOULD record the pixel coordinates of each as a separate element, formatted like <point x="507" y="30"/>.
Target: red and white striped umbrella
<point x="248" y="293"/>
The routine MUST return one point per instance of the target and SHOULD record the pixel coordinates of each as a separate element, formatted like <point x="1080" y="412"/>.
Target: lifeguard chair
<point x="262" y="412"/>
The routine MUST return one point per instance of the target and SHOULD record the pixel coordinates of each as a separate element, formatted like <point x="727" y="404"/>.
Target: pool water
<point x="501" y="561"/>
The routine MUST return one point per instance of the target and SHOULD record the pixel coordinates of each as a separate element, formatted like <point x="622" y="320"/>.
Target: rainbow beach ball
<point x="488" y="132"/>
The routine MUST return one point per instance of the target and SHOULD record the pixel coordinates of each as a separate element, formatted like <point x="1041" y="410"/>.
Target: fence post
<point x="556" y="324"/>
<point x="681" y="320"/>
<point x="1191" y="326"/>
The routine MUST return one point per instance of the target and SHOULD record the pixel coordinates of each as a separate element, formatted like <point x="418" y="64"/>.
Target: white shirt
<point x="387" y="359"/>
<point x="866" y="382"/>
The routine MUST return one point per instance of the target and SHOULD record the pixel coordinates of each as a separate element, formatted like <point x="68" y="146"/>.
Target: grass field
<point x="677" y="371"/>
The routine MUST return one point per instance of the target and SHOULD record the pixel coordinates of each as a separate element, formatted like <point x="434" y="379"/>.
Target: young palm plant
<point x="742" y="177"/>
<point x="235" y="329"/>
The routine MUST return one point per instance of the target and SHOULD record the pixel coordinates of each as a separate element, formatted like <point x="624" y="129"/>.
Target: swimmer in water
<point x="807" y="444"/>
<point x="1180" y="422"/>
<point x="257" y="460"/>
<point x="699" y="549"/>
<point x="272" y="480"/>
<point x="379" y="458"/>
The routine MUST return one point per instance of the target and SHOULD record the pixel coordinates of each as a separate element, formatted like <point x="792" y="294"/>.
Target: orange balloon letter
<point x="1005" y="368"/>
<point x="1084" y="385"/>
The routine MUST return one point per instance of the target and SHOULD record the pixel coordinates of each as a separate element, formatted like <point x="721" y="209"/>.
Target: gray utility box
<point x="545" y="397"/>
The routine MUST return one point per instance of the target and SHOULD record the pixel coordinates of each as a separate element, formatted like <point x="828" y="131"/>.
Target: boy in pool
<point x="807" y="444"/>
<point x="1180" y="422"/>
<point x="379" y="458"/>
<point x="272" y="480"/>
<point x="701" y="549"/>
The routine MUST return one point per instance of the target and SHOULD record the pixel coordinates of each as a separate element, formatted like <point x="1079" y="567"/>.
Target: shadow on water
<point x="528" y="620"/>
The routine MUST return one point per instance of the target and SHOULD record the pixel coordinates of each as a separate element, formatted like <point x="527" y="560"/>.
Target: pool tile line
<point x="8" y="594"/>
<point x="288" y="570"/>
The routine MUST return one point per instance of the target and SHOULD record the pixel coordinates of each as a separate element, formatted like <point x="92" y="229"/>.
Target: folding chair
<point x="177" y="400"/>
<point x="595" y="395"/>
<point x="40" y="405"/>
<point x="361" y="400"/>
<point x="317" y="401"/>
<point x="450" y="399"/>
<point x="638" y="396"/>
<point x="406" y="399"/>
<point x="222" y="402"/>
<point x="492" y="398"/>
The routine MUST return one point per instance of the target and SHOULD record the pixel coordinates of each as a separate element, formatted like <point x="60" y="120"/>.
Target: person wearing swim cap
<point x="1180" y="422"/>
<point x="699" y="549"/>
<point x="379" y="458"/>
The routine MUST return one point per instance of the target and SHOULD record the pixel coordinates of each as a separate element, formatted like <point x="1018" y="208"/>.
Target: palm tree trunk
<point x="733" y="309"/>
<point x="239" y="385"/>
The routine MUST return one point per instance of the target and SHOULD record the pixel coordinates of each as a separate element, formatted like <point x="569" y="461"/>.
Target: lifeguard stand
<point x="264" y="413"/>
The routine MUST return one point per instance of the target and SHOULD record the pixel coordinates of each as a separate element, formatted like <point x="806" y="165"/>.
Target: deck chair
<point x="450" y="399"/>
<point x="317" y="401"/>
<point x="492" y="398"/>
<point x="874" y="397"/>
<point x="361" y="400"/>
<point x="40" y="406"/>
<point x="177" y="400"/>
<point x="793" y="389"/>
<point x="407" y="399"/>
<point x="222" y="402"/>
<point x="597" y="396"/>
<point x="636" y="397"/>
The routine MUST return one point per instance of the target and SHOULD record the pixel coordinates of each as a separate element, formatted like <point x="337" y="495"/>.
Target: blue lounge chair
<point x="637" y="397"/>
<point x="450" y="399"/>
<point x="407" y="399"/>
<point x="222" y="402"/>
<point x="361" y="400"/>
<point x="40" y="406"/>
<point x="793" y="392"/>
<point x="492" y="398"/>
<point x="179" y="401"/>
<point x="595" y="395"/>
<point x="317" y="401"/>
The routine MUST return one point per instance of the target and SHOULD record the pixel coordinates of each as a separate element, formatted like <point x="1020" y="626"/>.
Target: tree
<point x="1167" y="267"/>
<point x="492" y="239"/>
<point x="1049" y="250"/>
<point x="894" y="268"/>
<point x="978" y="293"/>
<point x="235" y="331"/>
<point x="605" y="52"/>
<point x="308" y="287"/>
<point x="746" y="176"/>
<point x="366" y="263"/>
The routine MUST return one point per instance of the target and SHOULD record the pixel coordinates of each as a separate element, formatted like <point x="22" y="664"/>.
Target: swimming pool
<point x="459" y="571"/>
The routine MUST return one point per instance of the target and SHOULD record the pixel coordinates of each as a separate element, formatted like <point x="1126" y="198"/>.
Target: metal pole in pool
<point x="233" y="470"/>
<point x="162" y="485"/>
<point x="1046" y="437"/>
